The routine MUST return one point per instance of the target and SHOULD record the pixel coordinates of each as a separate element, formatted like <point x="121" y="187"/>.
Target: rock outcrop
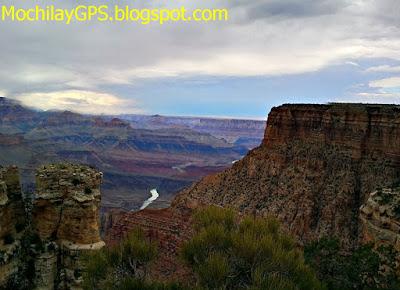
<point x="12" y="222"/>
<point x="66" y="219"/>
<point x="380" y="218"/>
<point x="43" y="250"/>
<point x="315" y="168"/>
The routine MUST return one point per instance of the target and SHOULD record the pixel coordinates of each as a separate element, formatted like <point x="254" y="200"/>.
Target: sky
<point x="270" y="52"/>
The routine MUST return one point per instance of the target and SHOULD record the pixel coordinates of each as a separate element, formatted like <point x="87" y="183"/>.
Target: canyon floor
<point x="136" y="153"/>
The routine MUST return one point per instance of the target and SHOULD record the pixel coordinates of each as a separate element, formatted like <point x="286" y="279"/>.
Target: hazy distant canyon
<point x="137" y="153"/>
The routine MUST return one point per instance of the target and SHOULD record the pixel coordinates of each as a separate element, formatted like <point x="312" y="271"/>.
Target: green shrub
<point x="396" y="184"/>
<point x="386" y="198"/>
<point x="251" y="253"/>
<point x="2" y="256"/>
<point x="88" y="190"/>
<point x="396" y="211"/>
<point x="76" y="181"/>
<point x="113" y="267"/>
<point x="8" y="239"/>
<point x="19" y="227"/>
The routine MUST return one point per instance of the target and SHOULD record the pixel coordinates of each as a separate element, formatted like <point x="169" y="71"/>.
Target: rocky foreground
<point x="316" y="167"/>
<point x="44" y="248"/>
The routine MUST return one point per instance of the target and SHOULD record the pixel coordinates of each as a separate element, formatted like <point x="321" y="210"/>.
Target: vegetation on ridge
<point x="227" y="252"/>
<point x="249" y="253"/>
<point x="231" y="252"/>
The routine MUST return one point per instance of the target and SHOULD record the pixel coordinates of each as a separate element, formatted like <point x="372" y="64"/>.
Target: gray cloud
<point x="263" y="37"/>
<point x="294" y="9"/>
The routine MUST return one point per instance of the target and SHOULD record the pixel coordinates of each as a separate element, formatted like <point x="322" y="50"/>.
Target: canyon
<point x="323" y="170"/>
<point x="135" y="153"/>
<point x="316" y="167"/>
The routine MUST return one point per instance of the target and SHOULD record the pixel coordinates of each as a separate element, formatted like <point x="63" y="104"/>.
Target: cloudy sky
<point x="269" y="52"/>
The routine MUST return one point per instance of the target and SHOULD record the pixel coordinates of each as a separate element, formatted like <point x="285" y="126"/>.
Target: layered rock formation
<point x="66" y="218"/>
<point x="135" y="159"/>
<point x="12" y="222"/>
<point x="315" y="168"/>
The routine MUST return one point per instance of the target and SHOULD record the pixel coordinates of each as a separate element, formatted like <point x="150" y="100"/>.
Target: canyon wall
<point x="314" y="169"/>
<point x="12" y="222"/>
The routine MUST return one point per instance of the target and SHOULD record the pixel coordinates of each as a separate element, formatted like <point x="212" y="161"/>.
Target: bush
<point x="76" y="181"/>
<point x="8" y="239"/>
<point x="396" y="184"/>
<point x="19" y="227"/>
<point x="88" y="190"/>
<point x="111" y="268"/>
<point x="396" y="211"/>
<point x="252" y="253"/>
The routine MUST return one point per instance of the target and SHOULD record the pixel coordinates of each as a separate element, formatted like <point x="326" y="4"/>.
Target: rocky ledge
<point x="380" y="217"/>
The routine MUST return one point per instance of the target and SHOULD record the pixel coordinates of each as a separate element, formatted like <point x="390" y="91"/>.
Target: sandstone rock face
<point x="315" y="168"/>
<point x="380" y="217"/>
<point x="67" y="201"/>
<point x="12" y="221"/>
<point x="66" y="218"/>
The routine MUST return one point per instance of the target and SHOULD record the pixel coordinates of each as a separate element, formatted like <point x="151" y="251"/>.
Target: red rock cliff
<point x="316" y="165"/>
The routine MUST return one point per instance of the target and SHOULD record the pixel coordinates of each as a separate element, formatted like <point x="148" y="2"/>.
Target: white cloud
<point x="372" y="98"/>
<point x="352" y="63"/>
<point x="86" y="102"/>
<point x="393" y="82"/>
<point x="384" y="69"/>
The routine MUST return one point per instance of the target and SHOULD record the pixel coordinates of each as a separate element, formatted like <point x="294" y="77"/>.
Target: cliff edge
<point x="314" y="169"/>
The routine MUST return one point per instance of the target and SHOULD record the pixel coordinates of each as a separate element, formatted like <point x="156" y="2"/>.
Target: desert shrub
<point x="8" y="239"/>
<point x="2" y="256"/>
<point x="88" y="190"/>
<point x="396" y="184"/>
<point x="122" y="266"/>
<point x="339" y="270"/>
<point x="396" y="211"/>
<point x="248" y="253"/>
<point x="386" y="198"/>
<point x="76" y="181"/>
<point x="19" y="227"/>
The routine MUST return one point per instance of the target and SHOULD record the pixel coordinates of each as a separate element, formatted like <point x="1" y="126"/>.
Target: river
<point x="153" y="197"/>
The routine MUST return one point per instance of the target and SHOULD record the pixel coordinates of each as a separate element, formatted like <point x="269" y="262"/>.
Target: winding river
<point x="154" y="196"/>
